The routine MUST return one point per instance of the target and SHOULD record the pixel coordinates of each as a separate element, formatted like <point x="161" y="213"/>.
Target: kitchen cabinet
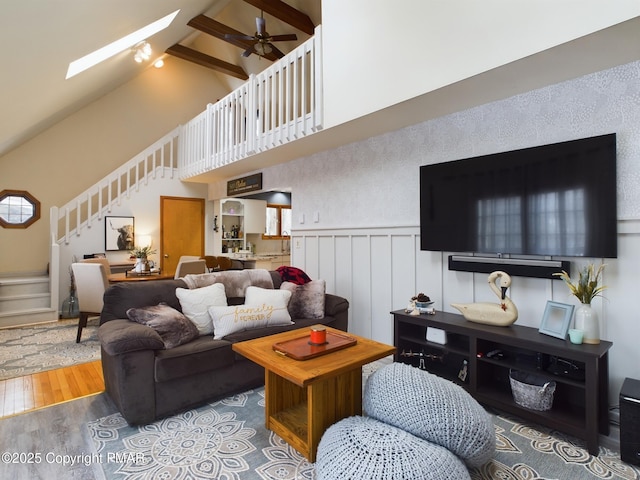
<point x="272" y="262"/>
<point x="239" y="217"/>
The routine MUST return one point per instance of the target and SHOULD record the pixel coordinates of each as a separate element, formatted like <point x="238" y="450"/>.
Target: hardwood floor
<point x="31" y="392"/>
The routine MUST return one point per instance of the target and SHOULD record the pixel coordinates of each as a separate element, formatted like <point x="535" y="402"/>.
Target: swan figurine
<point x="500" y="314"/>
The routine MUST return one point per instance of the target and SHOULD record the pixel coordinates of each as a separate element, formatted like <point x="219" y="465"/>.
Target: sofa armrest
<point x="124" y="336"/>
<point x="334" y="305"/>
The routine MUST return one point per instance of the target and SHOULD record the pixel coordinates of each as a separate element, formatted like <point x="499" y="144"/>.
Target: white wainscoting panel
<point x="379" y="269"/>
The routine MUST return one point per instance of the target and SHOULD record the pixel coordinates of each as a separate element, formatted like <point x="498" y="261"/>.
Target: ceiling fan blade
<point x="260" y="25"/>
<point x="247" y="52"/>
<point x="277" y="52"/>
<point x="283" y="38"/>
<point x="230" y="36"/>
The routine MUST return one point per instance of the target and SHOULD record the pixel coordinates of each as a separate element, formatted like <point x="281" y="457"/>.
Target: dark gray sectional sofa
<point x="147" y="381"/>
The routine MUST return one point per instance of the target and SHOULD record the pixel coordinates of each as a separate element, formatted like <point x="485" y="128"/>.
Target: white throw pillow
<point x="238" y="318"/>
<point x="196" y="302"/>
<point x="256" y="296"/>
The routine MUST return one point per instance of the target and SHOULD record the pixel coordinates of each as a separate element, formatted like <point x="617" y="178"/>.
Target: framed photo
<point x="119" y="233"/>
<point x="556" y="319"/>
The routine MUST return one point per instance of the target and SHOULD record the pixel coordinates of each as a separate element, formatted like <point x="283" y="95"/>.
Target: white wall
<point x="366" y="241"/>
<point x="426" y="45"/>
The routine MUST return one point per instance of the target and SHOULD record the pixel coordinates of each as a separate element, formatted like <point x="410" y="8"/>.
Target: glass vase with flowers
<point x="585" y="289"/>
<point x="142" y="255"/>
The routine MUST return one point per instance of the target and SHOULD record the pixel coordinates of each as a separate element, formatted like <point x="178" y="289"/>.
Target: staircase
<point x="25" y="300"/>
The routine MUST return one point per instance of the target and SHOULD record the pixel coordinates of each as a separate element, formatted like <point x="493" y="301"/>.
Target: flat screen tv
<point x="550" y="200"/>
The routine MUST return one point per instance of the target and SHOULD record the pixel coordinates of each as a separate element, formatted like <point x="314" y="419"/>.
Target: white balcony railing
<point x="278" y="105"/>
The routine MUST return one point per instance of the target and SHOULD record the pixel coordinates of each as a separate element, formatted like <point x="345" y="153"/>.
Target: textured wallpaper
<point x="375" y="182"/>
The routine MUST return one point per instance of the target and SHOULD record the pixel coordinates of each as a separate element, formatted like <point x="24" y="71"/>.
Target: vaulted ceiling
<point x="42" y="37"/>
<point x="249" y="42"/>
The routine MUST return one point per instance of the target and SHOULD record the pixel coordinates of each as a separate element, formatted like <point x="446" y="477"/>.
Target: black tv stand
<point x="581" y="372"/>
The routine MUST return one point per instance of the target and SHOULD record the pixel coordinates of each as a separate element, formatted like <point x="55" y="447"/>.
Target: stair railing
<point x="90" y="206"/>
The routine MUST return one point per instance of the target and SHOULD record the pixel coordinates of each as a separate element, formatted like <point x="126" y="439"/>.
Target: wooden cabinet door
<point x="181" y="230"/>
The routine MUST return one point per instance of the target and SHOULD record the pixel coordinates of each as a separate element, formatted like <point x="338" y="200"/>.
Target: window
<point x="278" y="221"/>
<point x="18" y="209"/>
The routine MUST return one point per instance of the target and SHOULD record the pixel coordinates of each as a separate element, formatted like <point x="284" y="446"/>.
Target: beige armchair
<point x="91" y="282"/>
<point x="102" y="261"/>
<point x="186" y="267"/>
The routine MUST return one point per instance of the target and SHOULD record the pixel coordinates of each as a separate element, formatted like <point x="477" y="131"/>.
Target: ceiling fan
<point x="263" y="41"/>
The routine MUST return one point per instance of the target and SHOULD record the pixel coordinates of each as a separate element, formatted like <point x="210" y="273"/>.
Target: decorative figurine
<point x="411" y="308"/>
<point x="501" y="314"/>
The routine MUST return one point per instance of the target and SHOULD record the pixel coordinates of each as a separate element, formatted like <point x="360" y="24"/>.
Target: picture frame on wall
<point x="556" y="319"/>
<point x="119" y="233"/>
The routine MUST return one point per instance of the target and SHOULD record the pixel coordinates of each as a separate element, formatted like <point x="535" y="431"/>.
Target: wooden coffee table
<point x="304" y="397"/>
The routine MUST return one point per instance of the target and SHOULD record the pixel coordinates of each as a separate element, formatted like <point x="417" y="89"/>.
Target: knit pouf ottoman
<point x="360" y="448"/>
<point x="433" y="409"/>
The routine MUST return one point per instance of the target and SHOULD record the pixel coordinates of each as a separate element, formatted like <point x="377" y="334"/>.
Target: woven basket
<point x="531" y="391"/>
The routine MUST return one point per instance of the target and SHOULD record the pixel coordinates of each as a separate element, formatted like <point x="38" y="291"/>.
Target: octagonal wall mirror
<point x="18" y="209"/>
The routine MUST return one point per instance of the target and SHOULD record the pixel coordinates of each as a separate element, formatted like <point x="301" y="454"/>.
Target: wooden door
<point x="181" y="230"/>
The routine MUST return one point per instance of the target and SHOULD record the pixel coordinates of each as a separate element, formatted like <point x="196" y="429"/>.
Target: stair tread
<point x="23" y="280"/>
<point x="24" y="296"/>
<point x="29" y="311"/>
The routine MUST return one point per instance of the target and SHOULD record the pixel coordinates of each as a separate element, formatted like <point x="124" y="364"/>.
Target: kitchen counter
<point x="267" y="261"/>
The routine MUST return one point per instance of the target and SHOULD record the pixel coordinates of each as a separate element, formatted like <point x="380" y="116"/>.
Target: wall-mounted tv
<point x="549" y="200"/>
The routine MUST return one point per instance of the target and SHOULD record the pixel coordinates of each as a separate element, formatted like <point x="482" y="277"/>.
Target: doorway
<point x="181" y="230"/>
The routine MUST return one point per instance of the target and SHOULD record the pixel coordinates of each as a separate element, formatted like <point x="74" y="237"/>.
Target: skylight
<point x="108" y="51"/>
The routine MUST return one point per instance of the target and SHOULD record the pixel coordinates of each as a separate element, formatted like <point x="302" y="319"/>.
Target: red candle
<point x="318" y="335"/>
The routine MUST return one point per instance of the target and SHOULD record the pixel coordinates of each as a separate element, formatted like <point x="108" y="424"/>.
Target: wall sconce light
<point x="142" y="51"/>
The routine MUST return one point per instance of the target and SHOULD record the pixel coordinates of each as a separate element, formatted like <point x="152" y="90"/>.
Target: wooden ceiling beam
<point x="219" y="30"/>
<point x="205" y="60"/>
<point x="286" y="13"/>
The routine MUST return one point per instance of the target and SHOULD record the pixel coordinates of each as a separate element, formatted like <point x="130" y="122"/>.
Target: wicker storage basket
<point x="530" y="391"/>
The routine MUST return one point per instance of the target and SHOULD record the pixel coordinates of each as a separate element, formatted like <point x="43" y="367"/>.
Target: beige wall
<point x="64" y="160"/>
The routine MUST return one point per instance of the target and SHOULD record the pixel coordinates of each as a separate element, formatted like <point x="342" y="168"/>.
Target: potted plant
<point x="142" y="255"/>
<point x="585" y="289"/>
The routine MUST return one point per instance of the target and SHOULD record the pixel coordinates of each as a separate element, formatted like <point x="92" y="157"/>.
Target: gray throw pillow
<point x="307" y="301"/>
<point x="172" y="326"/>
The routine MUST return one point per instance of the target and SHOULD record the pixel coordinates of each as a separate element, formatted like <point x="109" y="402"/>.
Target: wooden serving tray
<point x="301" y="348"/>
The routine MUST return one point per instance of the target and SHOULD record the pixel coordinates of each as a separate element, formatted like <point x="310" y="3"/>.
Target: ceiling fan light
<point x="263" y="48"/>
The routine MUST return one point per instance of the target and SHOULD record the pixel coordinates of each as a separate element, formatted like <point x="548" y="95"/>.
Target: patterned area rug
<point x="222" y="440"/>
<point x="28" y="350"/>
<point x="227" y="440"/>
<point x="527" y="452"/>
